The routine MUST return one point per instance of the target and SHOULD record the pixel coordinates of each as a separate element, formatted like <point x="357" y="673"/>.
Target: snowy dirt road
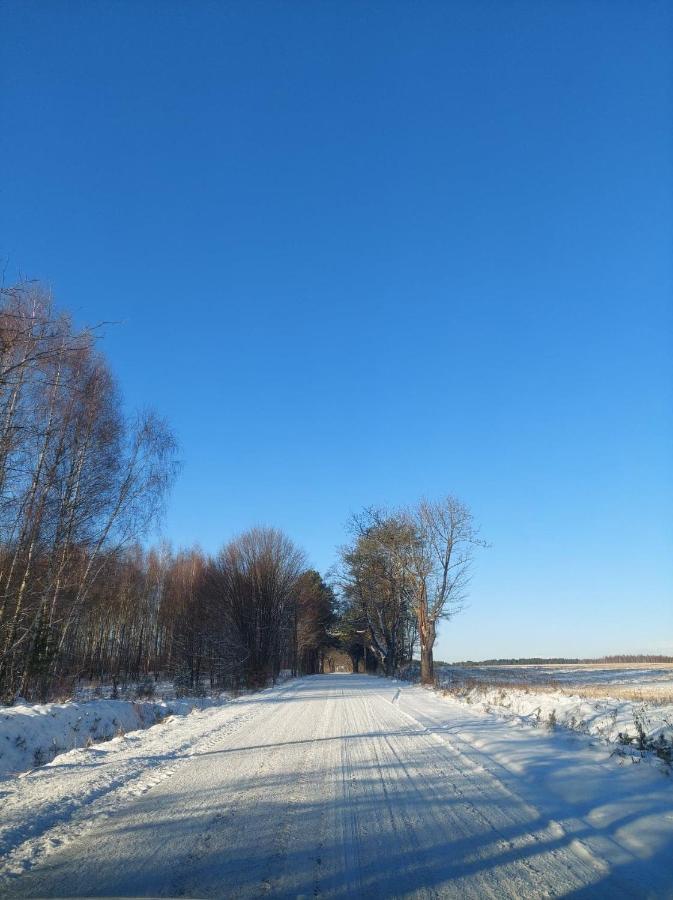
<point x="338" y="786"/>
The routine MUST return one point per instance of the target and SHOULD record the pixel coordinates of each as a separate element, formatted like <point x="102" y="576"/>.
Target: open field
<point x="627" y="706"/>
<point x="651" y="682"/>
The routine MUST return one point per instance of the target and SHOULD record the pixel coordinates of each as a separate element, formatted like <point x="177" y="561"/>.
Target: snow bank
<point x="611" y="719"/>
<point x="33" y="734"/>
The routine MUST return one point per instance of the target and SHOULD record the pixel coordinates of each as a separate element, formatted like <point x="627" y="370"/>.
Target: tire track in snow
<point x="106" y="778"/>
<point x="580" y="864"/>
<point x="349" y="821"/>
<point x="331" y="790"/>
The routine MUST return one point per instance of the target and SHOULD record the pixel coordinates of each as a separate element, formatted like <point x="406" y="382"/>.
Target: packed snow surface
<point x="340" y="786"/>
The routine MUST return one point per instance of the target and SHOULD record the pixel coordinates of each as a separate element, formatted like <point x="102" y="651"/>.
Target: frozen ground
<point x="339" y="786"/>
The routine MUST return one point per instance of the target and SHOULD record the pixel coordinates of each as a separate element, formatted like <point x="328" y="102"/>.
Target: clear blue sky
<point x="368" y="251"/>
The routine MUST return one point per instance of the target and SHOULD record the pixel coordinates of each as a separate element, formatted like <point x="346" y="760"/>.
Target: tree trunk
<point x="427" y="668"/>
<point x="426" y="634"/>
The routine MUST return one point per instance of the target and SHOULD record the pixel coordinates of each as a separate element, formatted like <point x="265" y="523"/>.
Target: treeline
<point x="249" y="612"/>
<point x="233" y="620"/>
<point x="80" y="485"/>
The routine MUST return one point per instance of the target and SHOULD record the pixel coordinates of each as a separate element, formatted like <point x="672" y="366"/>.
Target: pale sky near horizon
<point x="365" y="252"/>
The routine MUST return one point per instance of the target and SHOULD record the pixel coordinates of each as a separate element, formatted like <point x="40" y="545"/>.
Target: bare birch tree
<point x="77" y="483"/>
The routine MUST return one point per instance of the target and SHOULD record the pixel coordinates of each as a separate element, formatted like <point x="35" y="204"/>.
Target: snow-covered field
<point x="612" y="707"/>
<point x="340" y="786"/>
<point x="627" y="681"/>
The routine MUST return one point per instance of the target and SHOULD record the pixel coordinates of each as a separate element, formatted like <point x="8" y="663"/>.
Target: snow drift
<point x="34" y="734"/>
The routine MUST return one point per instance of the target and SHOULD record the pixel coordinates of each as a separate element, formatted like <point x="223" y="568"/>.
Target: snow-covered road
<point x="340" y="786"/>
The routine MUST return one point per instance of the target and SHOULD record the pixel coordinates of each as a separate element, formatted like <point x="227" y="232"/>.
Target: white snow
<point x="606" y="674"/>
<point x="337" y="786"/>
<point x="34" y="734"/>
<point x="607" y="718"/>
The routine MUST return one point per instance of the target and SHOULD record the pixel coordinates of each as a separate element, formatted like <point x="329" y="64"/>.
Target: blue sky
<point x="363" y="252"/>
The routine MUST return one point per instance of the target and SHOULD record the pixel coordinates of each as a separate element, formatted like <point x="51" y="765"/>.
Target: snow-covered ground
<point x="34" y="734"/>
<point x="340" y="786"/>
<point x="651" y="681"/>
<point x="624" y="723"/>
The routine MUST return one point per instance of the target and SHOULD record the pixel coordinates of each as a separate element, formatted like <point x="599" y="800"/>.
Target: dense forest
<point x="82" y="596"/>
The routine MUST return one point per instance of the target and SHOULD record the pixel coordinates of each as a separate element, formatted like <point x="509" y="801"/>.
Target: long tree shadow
<point x="390" y="811"/>
<point x="230" y="847"/>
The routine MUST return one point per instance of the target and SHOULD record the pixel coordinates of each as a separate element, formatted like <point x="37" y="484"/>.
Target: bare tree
<point x="257" y="576"/>
<point x="80" y="486"/>
<point x="440" y="559"/>
<point x="77" y="484"/>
